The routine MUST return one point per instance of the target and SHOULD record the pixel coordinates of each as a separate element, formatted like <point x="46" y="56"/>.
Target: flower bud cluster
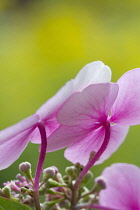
<point x="20" y="190"/>
<point x="56" y="189"/>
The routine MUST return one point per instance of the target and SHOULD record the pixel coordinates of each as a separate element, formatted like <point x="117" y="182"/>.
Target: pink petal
<point x="118" y="135"/>
<point x="16" y="129"/>
<point x="123" y="187"/>
<point x="89" y="107"/>
<point x="50" y="126"/>
<point x="10" y="150"/>
<point x="82" y="113"/>
<point x="65" y="136"/>
<point x="35" y="137"/>
<point x="126" y="109"/>
<point x="80" y="151"/>
<point x="95" y="72"/>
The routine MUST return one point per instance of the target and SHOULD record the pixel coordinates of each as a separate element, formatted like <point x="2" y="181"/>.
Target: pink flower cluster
<point x="89" y="115"/>
<point x="14" y="139"/>
<point x="76" y="116"/>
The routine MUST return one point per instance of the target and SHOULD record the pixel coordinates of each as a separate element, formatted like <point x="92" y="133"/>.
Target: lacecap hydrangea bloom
<point x="92" y="73"/>
<point x="85" y="114"/>
<point x="122" y="187"/>
<point x="14" y="139"/>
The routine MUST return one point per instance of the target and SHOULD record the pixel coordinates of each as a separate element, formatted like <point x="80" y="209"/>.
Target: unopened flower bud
<point x="27" y="191"/>
<point x="87" y="178"/>
<point x="101" y="182"/>
<point x="53" y="192"/>
<point x="28" y="200"/>
<point x="92" y="154"/>
<point x="79" y="167"/>
<point x="24" y="190"/>
<point x="55" y="168"/>
<point x="70" y="171"/>
<point x="53" y="183"/>
<point x="21" y="178"/>
<point x="48" y="173"/>
<point x="25" y="167"/>
<point x="59" y="178"/>
<point x="7" y="191"/>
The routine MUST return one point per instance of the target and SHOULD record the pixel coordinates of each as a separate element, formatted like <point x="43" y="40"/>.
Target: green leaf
<point x="7" y="204"/>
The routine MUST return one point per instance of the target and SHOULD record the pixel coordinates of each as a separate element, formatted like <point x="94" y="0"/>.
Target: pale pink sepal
<point x="89" y="107"/>
<point x="126" y="109"/>
<point x="12" y="149"/>
<point x="14" y="139"/>
<point x="50" y="126"/>
<point x="79" y="151"/>
<point x="19" y="127"/>
<point x="82" y="113"/>
<point x="123" y="187"/>
<point x="64" y="136"/>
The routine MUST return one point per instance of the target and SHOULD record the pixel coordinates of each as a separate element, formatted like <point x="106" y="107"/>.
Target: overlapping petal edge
<point x="122" y="187"/>
<point x="14" y="139"/>
<point x="89" y="109"/>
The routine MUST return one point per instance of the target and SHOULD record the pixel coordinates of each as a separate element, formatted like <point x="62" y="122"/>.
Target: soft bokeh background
<point x="45" y="43"/>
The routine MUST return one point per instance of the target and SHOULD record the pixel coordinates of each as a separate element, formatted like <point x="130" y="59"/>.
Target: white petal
<point x="92" y="73"/>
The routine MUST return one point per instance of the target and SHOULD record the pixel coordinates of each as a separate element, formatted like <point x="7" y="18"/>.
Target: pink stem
<point x="91" y="162"/>
<point x="42" y="130"/>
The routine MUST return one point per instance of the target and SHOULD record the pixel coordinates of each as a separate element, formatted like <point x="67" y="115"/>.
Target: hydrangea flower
<point x="84" y="115"/>
<point x="92" y="73"/>
<point x="123" y="187"/>
<point x="14" y="139"/>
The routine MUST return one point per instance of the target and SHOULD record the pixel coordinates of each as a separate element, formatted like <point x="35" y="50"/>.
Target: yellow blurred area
<point x="43" y="44"/>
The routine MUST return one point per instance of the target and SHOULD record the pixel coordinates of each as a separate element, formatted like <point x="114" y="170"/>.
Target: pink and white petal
<point x="35" y="136"/>
<point x="88" y="107"/>
<point x="126" y="109"/>
<point x="80" y="151"/>
<point x="12" y="149"/>
<point x="92" y="73"/>
<point x="16" y="129"/>
<point x="65" y="136"/>
<point x="95" y="72"/>
<point x="117" y="136"/>
<point x="50" y="126"/>
<point x="123" y="187"/>
<point x="53" y="104"/>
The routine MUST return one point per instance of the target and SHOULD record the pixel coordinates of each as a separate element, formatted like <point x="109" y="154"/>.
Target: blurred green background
<point x="43" y="44"/>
